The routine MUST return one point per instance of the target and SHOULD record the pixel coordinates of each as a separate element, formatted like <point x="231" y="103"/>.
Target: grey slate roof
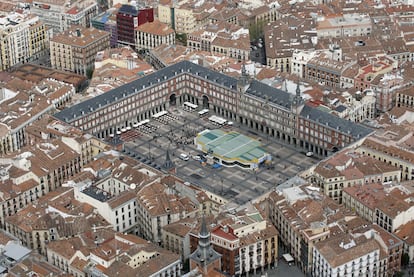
<point x="256" y="88"/>
<point x="70" y="114"/>
<point x="128" y="9"/>
<point x="340" y="108"/>
<point x="274" y="95"/>
<point x="15" y="251"/>
<point x="334" y="122"/>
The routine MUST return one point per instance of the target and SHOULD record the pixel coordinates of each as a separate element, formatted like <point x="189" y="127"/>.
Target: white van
<point x="184" y="157"/>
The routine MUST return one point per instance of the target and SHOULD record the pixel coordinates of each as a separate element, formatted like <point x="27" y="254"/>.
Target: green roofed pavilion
<point x="232" y="148"/>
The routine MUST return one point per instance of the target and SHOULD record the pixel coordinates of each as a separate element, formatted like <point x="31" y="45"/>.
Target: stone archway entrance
<point x="206" y="103"/>
<point x="173" y="99"/>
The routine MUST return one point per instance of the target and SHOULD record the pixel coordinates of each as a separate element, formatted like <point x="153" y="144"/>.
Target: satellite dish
<point x="133" y="186"/>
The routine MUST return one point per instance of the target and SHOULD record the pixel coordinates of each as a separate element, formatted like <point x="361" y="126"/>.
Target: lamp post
<point x="149" y="150"/>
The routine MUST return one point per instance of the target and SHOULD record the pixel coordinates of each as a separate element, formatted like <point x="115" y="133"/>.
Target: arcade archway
<point x="206" y="103"/>
<point x="173" y="100"/>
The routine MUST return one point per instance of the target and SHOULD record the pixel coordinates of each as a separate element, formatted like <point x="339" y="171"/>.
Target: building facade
<point x="346" y="256"/>
<point x="153" y="34"/>
<point x="251" y="103"/>
<point x="346" y="25"/>
<point x="128" y="19"/>
<point x="75" y="49"/>
<point x="24" y="38"/>
<point x="59" y="15"/>
<point x="351" y="168"/>
<point x="156" y="209"/>
<point x="405" y="98"/>
<point x="386" y="152"/>
<point x="221" y="39"/>
<point x="180" y="18"/>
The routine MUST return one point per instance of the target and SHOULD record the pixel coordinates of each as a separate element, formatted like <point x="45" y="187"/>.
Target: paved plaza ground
<point x="176" y="132"/>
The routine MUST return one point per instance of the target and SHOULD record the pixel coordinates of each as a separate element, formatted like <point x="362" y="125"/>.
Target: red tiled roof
<point x="219" y="232"/>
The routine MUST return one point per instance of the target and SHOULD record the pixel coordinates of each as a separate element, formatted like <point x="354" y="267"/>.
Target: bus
<point x="203" y="112"/>
<point x="190" y="106"/>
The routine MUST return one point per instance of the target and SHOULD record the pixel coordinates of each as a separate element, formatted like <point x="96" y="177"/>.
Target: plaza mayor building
<point x="262" y="108"/>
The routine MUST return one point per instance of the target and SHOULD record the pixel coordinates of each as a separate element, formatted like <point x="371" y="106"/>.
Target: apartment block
<point x="24" y="38"/>
<point x="299" y="215"/>
<point x="19" y="109"/>
<point x="153" y="34"/>
<point x="34" y="172"/>
<point x="19" y="189"/>
<point x="158" y="206"/>
<point x="176" y="237"/>
<point x="106" y="21"/>
<point x="389" y="207"/>
<point x="385" y="149"/>
<point x="112" y="190"/>
<point x="42" y="166"/>
<point x="245" y="240"/>
<point x="221" y="38"/>
<point x="354" y="106"/>
<point x="53" y="217"/>
<point x="34" y="74"/>
<point x="106" y="253"/>
<point x="349" y="168"/>
<point x="75" y="49"/>
<point x="345" y="255"/>
<point x="374" y="252"/>
<point x="405" y="97"/>
<point x="404" y="233"/>
<point x="395" y="211"/>
<point x="363" y="199"/>
<point x="378" y="67"/>
<point x="60" y="15"/>
<point x="346" y="25"/>
<point x="392" y="250"/>
<point x="362" y="106"/>
<point x="325" y="70"/>
<point x="85" y="145"/>
<point x="285" y="36"/>
<point x="128" y="18"/>
<point x="179" y="16"/>
<point x="115" y="67"/>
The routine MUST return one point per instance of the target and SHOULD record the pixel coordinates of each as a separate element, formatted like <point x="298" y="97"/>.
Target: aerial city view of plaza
<point x="207" y="138"/>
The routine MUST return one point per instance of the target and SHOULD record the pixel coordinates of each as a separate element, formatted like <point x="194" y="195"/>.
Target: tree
<point x="89" y="73"/>
<point x="405" y="259"/>
<point x="256" y="30"/>
<point x="181" y="39"/>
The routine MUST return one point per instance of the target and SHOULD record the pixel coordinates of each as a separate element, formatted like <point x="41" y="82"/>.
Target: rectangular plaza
<point x="176" y="132"/>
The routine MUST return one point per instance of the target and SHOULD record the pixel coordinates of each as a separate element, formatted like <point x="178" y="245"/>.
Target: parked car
<point x="184" y="157"/>
<point x="309" y="154"/>
<point x="196" y="158"/>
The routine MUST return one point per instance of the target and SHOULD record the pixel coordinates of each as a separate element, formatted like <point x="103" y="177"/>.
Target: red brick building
<point x="128" y="19"/>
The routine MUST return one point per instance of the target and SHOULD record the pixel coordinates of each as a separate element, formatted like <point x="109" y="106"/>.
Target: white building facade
<point x="61" y="14"/>
<point x="363" y="262"/>
<point x="117" y="206"/>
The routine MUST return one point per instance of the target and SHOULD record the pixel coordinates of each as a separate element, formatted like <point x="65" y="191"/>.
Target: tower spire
<point x="168" y="164"/>
<point x="205" y="257"/>
<point x="297" y="102"/>
<point x="243" y="69"/>
<point x="298" y="90"/>
<point x="243" y="81"/>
